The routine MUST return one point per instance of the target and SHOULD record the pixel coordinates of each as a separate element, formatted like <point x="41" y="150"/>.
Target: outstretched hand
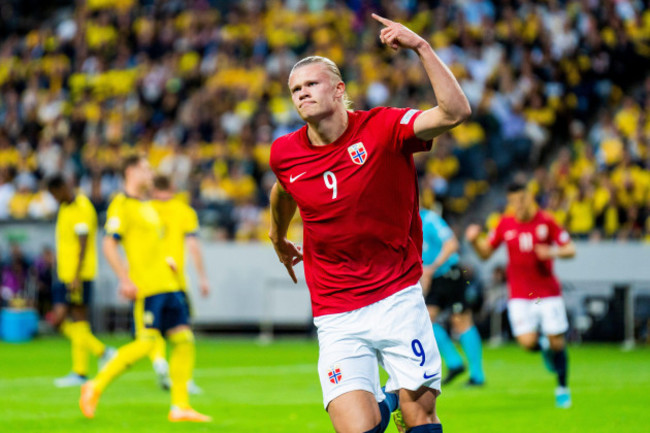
<point x="396" y="35"/>
<point x="289" y="254"/>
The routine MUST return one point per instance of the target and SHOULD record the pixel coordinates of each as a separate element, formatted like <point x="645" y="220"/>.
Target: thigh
<point x="59" y="294"/>
<point x="354" y="412"/>
<point x="524" y="319"/>
<point x="175" y="312"/>
<point x="553" y="316"/>
<point x="456" y="287"/>
<point x="407" y="348"/>
<point x="148" y="313"/>
<point x="346" y="362"/>
<point x="437" y="296"/>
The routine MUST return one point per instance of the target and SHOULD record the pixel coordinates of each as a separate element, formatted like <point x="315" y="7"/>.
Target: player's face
<point x="314" y="91"/>
<point x="61" y="195"/>
<point x="142" y="175"/>
<point x="520" y="202"/>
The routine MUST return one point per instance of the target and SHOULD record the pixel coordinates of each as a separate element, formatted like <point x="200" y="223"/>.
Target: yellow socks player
<point x="82" y="342"/>
<point x="181" y="365"/>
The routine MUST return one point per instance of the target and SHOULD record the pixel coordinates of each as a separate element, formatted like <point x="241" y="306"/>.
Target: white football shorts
<point x="395" y="333"/>
<point x="529" y="315"/>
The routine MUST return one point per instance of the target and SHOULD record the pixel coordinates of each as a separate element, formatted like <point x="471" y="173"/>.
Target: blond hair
<point x="331" y="68"/>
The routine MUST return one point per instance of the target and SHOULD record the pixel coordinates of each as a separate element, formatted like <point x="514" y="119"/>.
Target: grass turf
<point x="274" y="388"/>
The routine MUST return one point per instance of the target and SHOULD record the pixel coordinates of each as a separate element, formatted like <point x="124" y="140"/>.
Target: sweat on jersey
<point x="358" y="198"/>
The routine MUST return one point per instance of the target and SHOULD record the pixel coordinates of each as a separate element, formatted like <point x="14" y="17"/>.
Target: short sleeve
<point x="400" y="121"/>
<point x="83" y="220"/>
<point x="191" y="222"/>
<point x="557" y="233"/>
<point x="115" y="219"/>
<point x="495" y="237"/>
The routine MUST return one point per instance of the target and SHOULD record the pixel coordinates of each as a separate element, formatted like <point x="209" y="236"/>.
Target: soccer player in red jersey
<point x="351" y="175"/>
<point x="533" y="239"/>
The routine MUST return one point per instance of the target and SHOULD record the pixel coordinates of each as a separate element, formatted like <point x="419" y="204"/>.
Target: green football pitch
<point x="249" y="387"/>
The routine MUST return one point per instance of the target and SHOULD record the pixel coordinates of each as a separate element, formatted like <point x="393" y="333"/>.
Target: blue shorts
<point x="63" y="294"/>
<point x="163" y="312"/>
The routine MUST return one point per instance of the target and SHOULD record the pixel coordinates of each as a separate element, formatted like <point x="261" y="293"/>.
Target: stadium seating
<point x="201" y="87"/>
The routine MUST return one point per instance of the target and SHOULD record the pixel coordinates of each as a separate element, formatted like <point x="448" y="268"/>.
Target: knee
<point x="556" y="343"/>
<point x="419" y="413"/>
<point x="180" y="336"/>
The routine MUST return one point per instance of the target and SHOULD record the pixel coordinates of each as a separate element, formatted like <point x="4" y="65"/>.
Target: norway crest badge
<point x="335" y="375"/>
<point x="358" y="153"/>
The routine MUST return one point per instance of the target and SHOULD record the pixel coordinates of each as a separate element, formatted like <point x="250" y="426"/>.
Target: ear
<point x="340" y="89"/>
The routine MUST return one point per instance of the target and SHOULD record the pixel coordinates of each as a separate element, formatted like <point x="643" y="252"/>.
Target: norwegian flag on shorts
<point x="358" y="153"/>
<point x="335" y="375"/>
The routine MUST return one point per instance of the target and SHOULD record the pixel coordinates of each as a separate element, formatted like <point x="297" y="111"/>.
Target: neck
<point x="133" y="191"/>
<point x="327" y="130"/>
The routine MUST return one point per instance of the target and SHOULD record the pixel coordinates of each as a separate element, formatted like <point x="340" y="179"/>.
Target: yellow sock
<point x="74" y="331"/>
<point x="125" y="357"/>
<point x="90" y="341"/>
<point x="181" y="364"/>
<point x="159" y="349"/>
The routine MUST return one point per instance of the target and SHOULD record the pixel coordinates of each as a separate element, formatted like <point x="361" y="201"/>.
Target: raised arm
<point x="480" y="244"/>
<point x="283" y="207"/>
<point x="453" y="107"/>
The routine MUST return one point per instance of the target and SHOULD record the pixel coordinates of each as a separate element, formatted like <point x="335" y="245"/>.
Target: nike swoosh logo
<point x="293" y="179"/>
<point x="426" y="376"/>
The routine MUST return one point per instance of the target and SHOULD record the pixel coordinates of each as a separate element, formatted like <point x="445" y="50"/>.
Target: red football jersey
<point x="528" y="276"/>
<point x="358" y="198"/>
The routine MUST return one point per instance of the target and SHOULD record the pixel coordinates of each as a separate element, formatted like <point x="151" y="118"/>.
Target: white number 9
<point x="330" y="183"/>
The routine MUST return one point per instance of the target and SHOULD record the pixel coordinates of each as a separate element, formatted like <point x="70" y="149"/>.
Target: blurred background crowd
<point x="559" y="89"/>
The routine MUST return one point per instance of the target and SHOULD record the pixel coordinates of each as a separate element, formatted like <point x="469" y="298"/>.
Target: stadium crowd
<point x="201" y="87"/>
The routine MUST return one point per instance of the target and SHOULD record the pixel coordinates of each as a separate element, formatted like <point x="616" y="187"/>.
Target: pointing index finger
<point x="384" y="21"/>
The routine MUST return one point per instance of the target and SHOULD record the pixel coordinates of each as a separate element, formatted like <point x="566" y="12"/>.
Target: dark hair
<point x="162" y="183"/>
<point x="516" y="186"/>
<point x="55" y="182"/>
<point x="131" y="160"/>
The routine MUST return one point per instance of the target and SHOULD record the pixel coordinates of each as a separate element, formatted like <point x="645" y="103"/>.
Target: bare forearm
<point x="110" y="249"/>
<point x="482" y="248"/>
<point x="448" y="248"/>
<point x="83" y="244"/>
<point x="450" y="96"/>
<point x="283" y="207"/>
<point x="194" y="247"/>
<point x="567" y="251"/>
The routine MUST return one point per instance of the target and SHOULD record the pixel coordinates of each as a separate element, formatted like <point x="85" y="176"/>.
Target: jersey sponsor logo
<point x="407" y="117"/>
<point x="358" y="153"/>
<point x="293" y="179"/>
<point x="510" y="234"/>
<point x="542" y="232"/>
<point x="335" y="376"/>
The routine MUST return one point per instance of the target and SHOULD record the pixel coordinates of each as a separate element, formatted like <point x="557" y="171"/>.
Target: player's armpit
<point x="434" y="122"/>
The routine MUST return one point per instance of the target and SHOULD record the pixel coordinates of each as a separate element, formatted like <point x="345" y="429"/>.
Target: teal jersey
<point x="435" y="233"/>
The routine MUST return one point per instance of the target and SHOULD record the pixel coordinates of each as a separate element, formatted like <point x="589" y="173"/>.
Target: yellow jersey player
<point x="181" y="229"/>
<point x="76" y="259"/>
<point x="148" y="279"/>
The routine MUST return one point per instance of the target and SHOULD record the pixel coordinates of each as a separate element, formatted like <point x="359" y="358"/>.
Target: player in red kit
<point x="533" y="239"/>
<point x="352" y="176"/>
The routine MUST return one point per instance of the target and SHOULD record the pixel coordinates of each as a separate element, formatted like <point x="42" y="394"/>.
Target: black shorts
<point x="62" y="293"/>
<point x="448" y="291"/>
<point x="163" y="311"/>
